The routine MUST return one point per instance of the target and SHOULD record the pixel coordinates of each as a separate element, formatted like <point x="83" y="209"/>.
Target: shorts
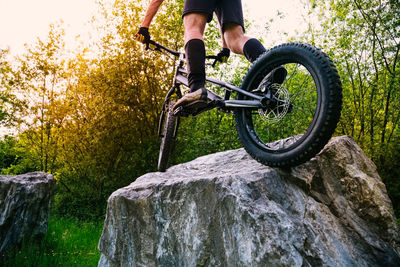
<point x="227" y="11"/>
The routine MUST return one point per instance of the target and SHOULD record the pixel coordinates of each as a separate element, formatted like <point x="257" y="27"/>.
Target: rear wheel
<point x="167" y="137"/>
<point x="304" y="109"/>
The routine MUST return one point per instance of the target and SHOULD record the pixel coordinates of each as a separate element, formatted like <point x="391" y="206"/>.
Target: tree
<point x="10" y="105"/>
<point x="363" y="38"/>
<point x="41" y="72"/>
<point x="109" y="135"/>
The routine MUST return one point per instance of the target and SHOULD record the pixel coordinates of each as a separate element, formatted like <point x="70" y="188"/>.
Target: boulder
<point x="24" y="206"/>
<point x="226" y="209"/>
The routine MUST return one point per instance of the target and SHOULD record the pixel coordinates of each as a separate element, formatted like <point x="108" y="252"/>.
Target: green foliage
<point x="10" y="105"/>
<point x="41" y="79"/>
<point x="8" y="155"/>
<point x="68" y="242"/>
<point x="209" y="133"/>
<point x="363" y="39"/>
<point x="14" y="158"/>
<point x="110" y="138"/>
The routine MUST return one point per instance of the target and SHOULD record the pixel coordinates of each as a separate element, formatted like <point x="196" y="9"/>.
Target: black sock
<point x="252" y="49"/>
<point x="195" y="60"/>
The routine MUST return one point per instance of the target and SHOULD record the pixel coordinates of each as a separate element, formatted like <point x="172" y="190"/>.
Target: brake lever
<point x="214" y="63"/>
<point x="148" y="47"/>
<point x="215" y="60"/>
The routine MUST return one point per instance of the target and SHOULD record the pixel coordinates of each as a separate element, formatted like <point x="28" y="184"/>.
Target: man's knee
<point x="194" y="24"/>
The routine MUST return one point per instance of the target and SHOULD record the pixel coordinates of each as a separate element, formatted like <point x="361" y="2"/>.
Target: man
<point x="196" y="14"/>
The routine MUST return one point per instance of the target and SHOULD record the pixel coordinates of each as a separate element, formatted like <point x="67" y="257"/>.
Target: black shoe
<point x="278" y="75"/>
<point x="200" y="95"/>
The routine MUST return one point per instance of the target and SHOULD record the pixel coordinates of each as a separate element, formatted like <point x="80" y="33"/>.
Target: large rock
<point x="226" y="209"/>
<point x="24" y="206"/>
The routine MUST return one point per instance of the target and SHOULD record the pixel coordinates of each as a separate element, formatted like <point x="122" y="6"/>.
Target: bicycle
<point x="279" y="123"/>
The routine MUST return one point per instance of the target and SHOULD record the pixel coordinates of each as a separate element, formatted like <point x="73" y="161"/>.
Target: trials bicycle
<point x="279" y="123"/>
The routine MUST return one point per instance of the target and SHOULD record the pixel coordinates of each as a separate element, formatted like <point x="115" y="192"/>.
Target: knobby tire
<point x="312" y="97"/>
<point x="167" y="139"/>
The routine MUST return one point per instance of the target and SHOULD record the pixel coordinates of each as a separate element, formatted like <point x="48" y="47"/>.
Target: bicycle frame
<point x="180" y="78"/>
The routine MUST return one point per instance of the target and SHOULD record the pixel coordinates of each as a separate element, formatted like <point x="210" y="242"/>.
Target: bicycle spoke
<point x="302" y="93"/>
<point x="288" y="79"/>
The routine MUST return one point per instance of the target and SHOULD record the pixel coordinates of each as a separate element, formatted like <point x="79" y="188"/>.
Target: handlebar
<point x="159" y="47"/>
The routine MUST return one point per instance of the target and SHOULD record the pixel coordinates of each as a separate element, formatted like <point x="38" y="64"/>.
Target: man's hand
<point x="143" y="35"/>
<point x="223" y="55"/>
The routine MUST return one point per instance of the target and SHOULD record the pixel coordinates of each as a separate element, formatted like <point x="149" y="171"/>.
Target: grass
<point x="68" y="242"/>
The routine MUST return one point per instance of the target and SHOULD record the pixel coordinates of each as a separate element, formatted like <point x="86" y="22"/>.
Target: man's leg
<point x="194" y="24"/>
<point x="238" y="43"/>
<point x="251" y="48"/>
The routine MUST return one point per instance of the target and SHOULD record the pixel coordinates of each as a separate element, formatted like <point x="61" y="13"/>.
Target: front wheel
<point x="167" y="137"/>
<point x="303" y="110"/>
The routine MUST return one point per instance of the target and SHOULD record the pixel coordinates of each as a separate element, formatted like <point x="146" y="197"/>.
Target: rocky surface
<point x="226" y="209"/>
<point x="24" y="206"/>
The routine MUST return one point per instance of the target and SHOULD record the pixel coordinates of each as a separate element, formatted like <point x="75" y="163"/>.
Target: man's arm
<point x="151" y="12"/>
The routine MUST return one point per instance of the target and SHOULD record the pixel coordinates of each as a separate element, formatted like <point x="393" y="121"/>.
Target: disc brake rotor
<point x="280" y="98"/>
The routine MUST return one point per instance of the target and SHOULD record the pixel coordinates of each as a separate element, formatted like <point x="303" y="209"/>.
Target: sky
<point x="23" y="21"/>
